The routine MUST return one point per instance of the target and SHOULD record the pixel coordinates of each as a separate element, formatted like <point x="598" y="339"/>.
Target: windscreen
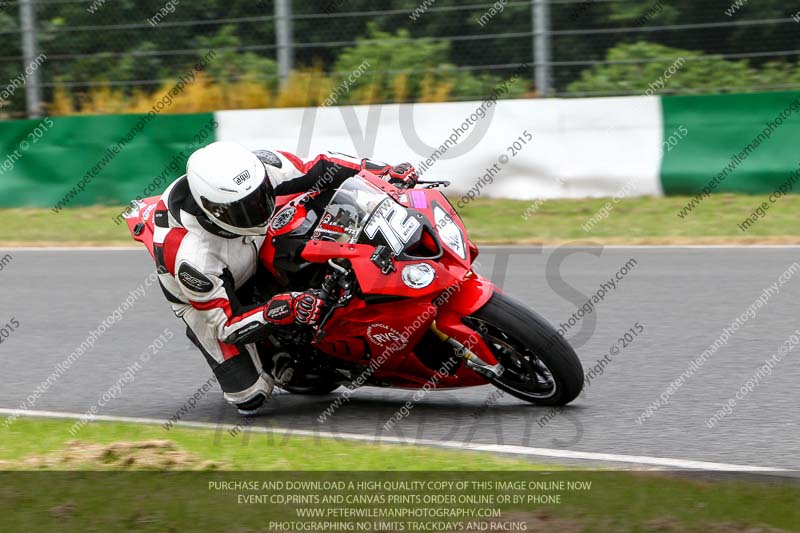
<point x="348" y="211"/>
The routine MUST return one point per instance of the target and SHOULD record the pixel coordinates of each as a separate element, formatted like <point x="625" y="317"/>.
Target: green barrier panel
<point x="89" y="160"/>
<point x="745" y="142"/>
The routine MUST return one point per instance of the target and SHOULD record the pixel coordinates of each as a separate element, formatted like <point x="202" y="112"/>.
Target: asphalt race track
<point x="682" y="297"/>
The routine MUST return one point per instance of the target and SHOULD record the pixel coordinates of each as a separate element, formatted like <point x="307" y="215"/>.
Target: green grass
<point x="246" y="451"/>
<point x="184" y="501"/>
<point x="89" y="226"/>
<point x="633" y="220"/>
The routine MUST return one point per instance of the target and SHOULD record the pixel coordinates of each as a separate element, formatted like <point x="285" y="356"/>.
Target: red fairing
<point x="290" y="212"/>
<point x="386" y="334"/>
<point x="305" y="168"/>
<point x="143" y="215"/>
<point x="473" y="294"/>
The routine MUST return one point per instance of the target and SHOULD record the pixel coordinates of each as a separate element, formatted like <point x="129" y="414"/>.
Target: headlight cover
<point x="449" y="232"/>
<point x="418" y="276"/>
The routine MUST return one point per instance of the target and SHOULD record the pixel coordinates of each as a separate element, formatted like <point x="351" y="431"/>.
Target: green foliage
<point x="423" y="63"/>
<point x="8" y="70"/>
<point x="231" y="64"/>
<point x="386" y="55"/>
<point x="94" y="47"/>
<point x="641" y="13"/>
<point x="678" y="70"/>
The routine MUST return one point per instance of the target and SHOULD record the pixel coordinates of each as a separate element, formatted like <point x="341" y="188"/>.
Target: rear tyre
<point x="540" y="366"/>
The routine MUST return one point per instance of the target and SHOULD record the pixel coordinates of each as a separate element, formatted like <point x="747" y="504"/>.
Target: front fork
<point x="471" y="359"/>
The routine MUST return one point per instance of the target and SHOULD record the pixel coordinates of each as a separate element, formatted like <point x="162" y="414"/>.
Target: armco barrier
<point x="737" y="142"/>
<point x="528" y="148"/>
<point x="99" y="159"/>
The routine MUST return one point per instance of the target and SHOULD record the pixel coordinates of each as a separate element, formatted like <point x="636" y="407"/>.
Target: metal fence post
<point x="283" y="38"/>
<point x="33" y="87"/>
<point x="541" y="46"/>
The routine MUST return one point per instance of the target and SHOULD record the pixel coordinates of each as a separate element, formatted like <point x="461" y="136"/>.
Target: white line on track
<point x="646" y="461"/>
<point x="639" y="460"/>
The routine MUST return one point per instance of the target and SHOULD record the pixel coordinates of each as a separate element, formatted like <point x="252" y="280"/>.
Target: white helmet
<point x="231" y="186"/>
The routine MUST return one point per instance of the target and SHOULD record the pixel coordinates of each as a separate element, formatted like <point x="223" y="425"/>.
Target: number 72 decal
<point x="394" y="223"/>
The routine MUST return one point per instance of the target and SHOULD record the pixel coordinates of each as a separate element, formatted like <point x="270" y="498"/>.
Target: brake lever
<point x="336" y="280"/>
<point x="319" y="327"/>
<point x="434" y="184"/>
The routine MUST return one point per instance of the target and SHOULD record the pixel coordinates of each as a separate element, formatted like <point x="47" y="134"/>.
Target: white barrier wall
<point x="574" y="147"/>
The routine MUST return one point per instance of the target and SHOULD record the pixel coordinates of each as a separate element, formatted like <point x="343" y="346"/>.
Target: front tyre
<point x="539" y="365"/>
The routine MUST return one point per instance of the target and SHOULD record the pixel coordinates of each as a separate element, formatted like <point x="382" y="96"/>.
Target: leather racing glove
<point x="404" y="174"/>
<point x="304" y="308"/>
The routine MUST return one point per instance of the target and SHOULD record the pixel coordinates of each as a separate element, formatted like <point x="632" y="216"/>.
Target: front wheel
<point x="539" y="365"/>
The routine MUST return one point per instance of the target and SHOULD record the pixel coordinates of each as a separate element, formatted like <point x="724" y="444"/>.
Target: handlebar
<point x="433" y="184"/>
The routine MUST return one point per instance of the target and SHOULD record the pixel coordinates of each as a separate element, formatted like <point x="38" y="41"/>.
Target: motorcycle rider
<point x="210" y="226"/>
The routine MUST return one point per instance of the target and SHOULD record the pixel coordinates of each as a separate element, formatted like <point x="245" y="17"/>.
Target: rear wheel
<point x="539" y="365"/>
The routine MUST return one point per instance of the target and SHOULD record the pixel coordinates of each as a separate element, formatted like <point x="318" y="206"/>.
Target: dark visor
<point x="253" y="211"/>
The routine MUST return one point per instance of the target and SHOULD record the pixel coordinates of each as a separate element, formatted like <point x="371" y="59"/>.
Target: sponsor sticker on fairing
<point x="147" y="212"/>
<point x="332" y="228"/>
<point x="283" y="218"/>
<point x="418" y="199"/>
<point x="383" y="335"/>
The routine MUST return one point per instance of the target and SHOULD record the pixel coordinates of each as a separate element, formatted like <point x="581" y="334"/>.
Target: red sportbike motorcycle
<point x="405" y="308"/>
